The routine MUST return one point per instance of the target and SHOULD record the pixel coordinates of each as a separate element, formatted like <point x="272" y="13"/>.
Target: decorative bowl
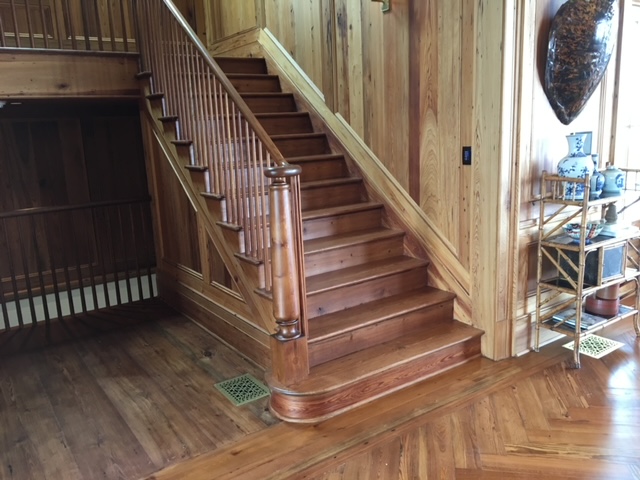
<point x="593" y="229"/>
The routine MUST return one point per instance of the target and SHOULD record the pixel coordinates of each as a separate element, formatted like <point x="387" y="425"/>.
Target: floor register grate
<point x="243" y="389"/>
<point x="595" y="346"/>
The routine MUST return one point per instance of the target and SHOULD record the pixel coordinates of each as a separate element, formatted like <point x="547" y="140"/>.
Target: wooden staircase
<point x="375" y="325"/>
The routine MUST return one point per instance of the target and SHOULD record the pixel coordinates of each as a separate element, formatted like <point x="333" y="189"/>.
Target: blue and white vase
<point x="613" y="181"/>
<point x="597" y="179"/>
<point x="575" y="165"/>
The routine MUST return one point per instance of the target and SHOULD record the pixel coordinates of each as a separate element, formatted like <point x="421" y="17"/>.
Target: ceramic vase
<point x="613" y="181"/>
<point x="575" y="165"/>
<point x="597" y="179"/>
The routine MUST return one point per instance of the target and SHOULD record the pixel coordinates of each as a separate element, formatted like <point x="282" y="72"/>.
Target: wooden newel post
<point x="286" y="285"/>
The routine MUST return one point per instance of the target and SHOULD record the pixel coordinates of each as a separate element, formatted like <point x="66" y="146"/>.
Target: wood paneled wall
<point x="58" y="154"/>
<point x="217" y="19"/>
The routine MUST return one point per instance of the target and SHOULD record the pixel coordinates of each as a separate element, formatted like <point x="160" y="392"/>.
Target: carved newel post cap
<point x="283" y="171"/>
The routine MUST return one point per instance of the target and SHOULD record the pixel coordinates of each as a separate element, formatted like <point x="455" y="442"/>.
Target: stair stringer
<point x="423" y="238"/>
<point x="243" y="272"/>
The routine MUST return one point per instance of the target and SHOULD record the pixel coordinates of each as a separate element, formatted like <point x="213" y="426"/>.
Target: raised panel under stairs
<point x="375" y="323"/>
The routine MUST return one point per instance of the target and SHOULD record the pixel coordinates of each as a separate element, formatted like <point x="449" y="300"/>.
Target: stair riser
<point x="157" y="106"/>
<point x="323" y="169"/>
<point x="332" y="196"/>
<point x="367" y="291"/>
<point x="337" y="224"/>
<point x="271" y="104"/>
<point x="301" y="408"/>
<point x="216" y="208"/>
<point x="185" y="154"/>
<point x="255" y="66"/>
<point x="170" y="129"/>
<point x="257" y="85"/>
<point x="300" y="147"/>
<point x="234" y="237"/>
<point x="285" y="125"/>
<point x="321" y="262"/>
<point x="368" y="336"/>
<point x="199" y="180"/>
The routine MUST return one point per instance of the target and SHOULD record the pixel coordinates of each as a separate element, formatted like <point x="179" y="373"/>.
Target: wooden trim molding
<point x="59" y="74"/>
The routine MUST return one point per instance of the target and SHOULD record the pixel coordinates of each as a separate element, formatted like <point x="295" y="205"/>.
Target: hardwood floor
<point x="122" y="404"/>
<point x="128" y="403"/>
<point x="531" y="417"/>
<point x="557" y="423"/>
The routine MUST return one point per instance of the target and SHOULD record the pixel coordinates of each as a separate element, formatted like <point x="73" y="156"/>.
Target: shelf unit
<point x="579" y="268"/>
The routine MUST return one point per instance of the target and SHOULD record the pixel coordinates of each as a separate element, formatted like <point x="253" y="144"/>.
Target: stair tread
<point x="331" y="324"/>
<point x="283" y="136"/>
<point x="357" y="366"/>
<point x="323" y="244"/>
<point x="360" y="273"/>
<point x="339" y="210"/>
<point x="265" y="94"/>
<point x="315" y="158"/>
<point x="329" y="182"/>
<point x="251" y="75"/>
<point x="281" y="114"/>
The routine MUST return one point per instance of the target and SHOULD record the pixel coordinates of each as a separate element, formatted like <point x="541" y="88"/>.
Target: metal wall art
<point x="581" y="40"/>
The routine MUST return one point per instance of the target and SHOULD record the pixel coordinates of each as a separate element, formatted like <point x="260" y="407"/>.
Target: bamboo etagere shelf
<point x="570" y="270"/>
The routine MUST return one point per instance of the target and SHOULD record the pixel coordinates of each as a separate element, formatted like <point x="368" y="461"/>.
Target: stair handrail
<point x="228" y="143"/>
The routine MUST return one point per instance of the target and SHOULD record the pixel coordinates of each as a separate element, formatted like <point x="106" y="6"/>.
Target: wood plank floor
<point x="121" y="404"/>
<point x="140" y="403"/>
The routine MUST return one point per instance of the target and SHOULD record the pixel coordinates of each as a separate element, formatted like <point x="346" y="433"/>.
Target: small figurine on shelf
<point x="611" y="221"/>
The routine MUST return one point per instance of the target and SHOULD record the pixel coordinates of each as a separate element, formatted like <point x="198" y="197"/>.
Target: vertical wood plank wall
<point x="58" y="154"/>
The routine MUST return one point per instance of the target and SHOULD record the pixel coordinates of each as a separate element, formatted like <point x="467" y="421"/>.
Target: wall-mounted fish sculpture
<point x="581" y="40"/>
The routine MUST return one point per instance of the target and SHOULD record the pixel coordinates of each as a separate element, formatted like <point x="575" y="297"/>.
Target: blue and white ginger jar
<point x="575" y="165"/>
<point x="613" y="181"/>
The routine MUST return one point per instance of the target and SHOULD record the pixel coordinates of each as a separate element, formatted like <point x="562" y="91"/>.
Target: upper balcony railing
<point x="86" y="25"/>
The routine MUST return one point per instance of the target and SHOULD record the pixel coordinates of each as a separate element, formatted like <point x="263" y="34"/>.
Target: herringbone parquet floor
<point x="558" y="423"/>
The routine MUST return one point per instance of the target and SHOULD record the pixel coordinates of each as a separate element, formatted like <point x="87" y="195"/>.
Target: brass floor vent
<point x="595" y="346"/>
<point x="243" y="389"/>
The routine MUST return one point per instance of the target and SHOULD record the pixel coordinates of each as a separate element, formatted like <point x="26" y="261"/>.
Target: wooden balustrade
<point x="227" y="140"/>
<point x="95" y="25"/>
<point x="60" y="261"/>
